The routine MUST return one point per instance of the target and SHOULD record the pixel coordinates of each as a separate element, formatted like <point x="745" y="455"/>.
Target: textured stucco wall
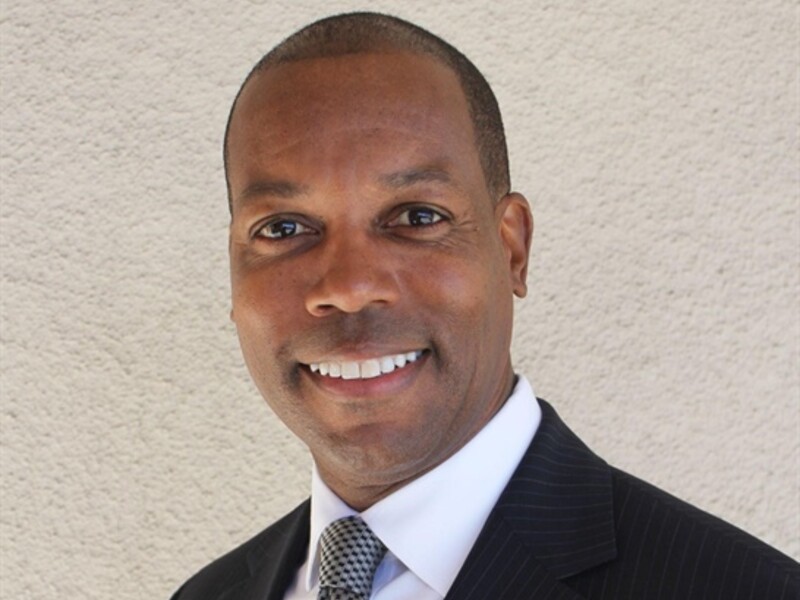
<point x="657" y="142"/>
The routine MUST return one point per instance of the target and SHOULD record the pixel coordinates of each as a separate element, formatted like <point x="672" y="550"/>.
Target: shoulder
<point x="662" y="547"/>
<point x="222" y="578"/>
<point x="671" y="549"/>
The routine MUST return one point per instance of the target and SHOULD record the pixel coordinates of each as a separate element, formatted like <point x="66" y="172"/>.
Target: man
<point x="375" y="249"/>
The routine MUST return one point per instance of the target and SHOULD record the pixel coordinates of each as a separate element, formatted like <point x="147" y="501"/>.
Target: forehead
<point x="350" y="93"/>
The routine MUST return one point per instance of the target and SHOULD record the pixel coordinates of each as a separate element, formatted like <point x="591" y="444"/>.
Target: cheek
<point x="449" y="298"/>
<point x="457" y="288"/>
<point x="263" y="297"/>
<point x="265" y="308"/>
<point x="473" y="306"/>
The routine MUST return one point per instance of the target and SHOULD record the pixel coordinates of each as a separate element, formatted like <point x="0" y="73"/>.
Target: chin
<point x="373" y="454"/>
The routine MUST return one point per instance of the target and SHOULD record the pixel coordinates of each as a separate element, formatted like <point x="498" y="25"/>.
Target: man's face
<point x="372" y="275"/>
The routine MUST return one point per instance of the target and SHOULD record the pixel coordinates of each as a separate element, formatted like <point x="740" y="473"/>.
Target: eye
<point x="280" y="229"/>
<point x="417" y="216"/>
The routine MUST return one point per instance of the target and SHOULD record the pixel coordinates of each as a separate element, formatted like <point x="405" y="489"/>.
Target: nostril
<point x="350" y="290"/>
<point x="321" y="310"/>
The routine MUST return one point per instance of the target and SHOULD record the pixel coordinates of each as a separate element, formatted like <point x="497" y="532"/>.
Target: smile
<point x="364" y="369"/>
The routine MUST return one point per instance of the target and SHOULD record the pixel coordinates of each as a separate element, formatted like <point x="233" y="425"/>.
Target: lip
<point x="383" y="385"/>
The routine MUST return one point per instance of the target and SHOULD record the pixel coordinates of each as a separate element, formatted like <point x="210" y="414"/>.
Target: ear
<point x="516" y="232"/>
<point x="231" y="314"/>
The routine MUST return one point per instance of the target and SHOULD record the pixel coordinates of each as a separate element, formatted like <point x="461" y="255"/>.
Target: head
<point x="375" y="248"/>
<point x="355" y="33"/>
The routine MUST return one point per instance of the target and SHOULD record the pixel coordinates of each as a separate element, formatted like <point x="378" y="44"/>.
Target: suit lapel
<point x="274" y="562"/>
<point x="554" y="519"/>
<point x="500" y="565"/>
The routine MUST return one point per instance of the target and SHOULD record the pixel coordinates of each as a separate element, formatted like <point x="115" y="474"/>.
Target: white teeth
<point x="370" y="368"/>
<point x="350" y="370"/>
<point x="365" y="369"/>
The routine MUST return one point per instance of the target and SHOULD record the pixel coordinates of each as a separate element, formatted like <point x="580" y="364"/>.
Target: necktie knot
<point x="350" y="555"/>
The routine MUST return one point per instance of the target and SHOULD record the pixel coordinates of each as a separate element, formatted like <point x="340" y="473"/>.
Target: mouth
<point x="365" y="369"/>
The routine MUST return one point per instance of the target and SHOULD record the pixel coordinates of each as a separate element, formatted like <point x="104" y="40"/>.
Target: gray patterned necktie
<point x="350" y="555"/>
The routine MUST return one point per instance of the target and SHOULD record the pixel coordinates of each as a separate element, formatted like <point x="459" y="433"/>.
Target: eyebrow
<point x="276" y="188"/>
<point x="409" y="177"/>
<point x="400" y="179"/>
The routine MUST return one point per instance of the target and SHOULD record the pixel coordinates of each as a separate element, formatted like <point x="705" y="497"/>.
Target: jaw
<point x="378" y="447"/>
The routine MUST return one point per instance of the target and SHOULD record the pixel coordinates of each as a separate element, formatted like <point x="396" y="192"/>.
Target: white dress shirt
<point x="430" y="525"/>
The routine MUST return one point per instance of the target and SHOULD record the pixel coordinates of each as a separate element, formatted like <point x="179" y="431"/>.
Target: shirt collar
<point x="457" y="497"/>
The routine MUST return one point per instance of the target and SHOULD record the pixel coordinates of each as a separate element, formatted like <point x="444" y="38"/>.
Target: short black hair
<point x="363" y="32"/>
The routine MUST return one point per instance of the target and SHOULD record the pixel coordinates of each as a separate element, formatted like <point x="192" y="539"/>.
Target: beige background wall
<point x="657" y="142"/>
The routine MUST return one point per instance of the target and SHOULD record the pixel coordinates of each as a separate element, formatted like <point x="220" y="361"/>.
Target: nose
<point x="353" y="274"/>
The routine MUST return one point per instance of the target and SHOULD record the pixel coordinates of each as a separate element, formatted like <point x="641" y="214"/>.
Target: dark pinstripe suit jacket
<point x="567" y="526"/>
